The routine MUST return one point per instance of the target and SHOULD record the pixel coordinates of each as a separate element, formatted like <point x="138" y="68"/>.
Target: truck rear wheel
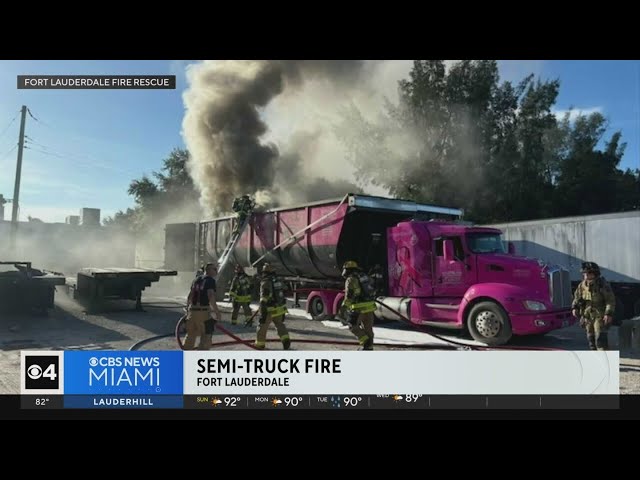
<point x="489" y="323"/>
<point x="317" y="308"/>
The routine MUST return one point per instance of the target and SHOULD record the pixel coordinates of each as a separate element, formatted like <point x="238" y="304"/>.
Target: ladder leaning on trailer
<point x="243" y="206"/>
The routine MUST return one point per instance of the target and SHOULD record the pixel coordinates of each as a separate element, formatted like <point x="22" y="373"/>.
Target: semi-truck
<point x="610" y="240"/>
<point x="432" y="268"/>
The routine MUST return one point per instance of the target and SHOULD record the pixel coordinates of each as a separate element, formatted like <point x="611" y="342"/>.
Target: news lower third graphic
<point x="57" y="82"/>
<point x="278" y="380"/>
<point x="109" y="379"/>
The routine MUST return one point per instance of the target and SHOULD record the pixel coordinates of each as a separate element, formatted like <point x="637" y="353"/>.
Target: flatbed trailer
<point x="95" y="285"/>
<point x="27" y="287"/>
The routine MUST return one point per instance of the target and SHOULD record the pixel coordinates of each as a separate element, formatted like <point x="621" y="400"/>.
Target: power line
<point x="44" y="152"/>
<point x="31" y="140"/>
<point x="73" y="160"/>
<point x="11" y="150"/>
<point x="37" y="119"/>
<point x="90" y="162"/>
<point x="58" y="152"/>
<point x="4" y="157"/>
<point x="52" y="151"/>
<point x="7" y="127"/>
<point x="9" y="142"/>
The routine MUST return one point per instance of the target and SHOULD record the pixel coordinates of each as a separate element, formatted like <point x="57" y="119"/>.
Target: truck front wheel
<point x="316" y="308"/>
<point x="489" y="323"/>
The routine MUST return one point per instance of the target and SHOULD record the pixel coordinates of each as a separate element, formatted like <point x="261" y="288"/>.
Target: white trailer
<point x="610" y="240"/>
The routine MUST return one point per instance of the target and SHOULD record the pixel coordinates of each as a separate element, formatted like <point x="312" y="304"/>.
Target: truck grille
<point x="560" y="287"/>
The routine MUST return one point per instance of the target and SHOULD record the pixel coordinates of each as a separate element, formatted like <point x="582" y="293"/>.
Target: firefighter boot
<point x="364" y="341"/>
<point x="602" y="341"/>
<point x="205" y="342"/>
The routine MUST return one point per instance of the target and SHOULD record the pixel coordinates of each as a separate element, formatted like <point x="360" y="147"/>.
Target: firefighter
<point x="272" y="308"/>
<point x="240" y="293"/>
<point x="200" y="304"/>
<point x="359" y="303"/>
<point x="243" y="207"/>
<point x="594" y="303"/>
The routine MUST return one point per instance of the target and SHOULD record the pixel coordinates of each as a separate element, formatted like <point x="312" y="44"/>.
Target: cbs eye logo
<point x="41" y="372"/>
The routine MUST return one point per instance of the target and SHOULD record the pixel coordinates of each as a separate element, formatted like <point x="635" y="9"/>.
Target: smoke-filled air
<point x="266" y="128"/>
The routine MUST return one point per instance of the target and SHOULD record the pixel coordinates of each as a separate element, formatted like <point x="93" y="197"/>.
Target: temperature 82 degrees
<point x="41" y="402"/>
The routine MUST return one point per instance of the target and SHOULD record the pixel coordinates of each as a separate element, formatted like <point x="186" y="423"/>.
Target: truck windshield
<point x="485" y="243"/>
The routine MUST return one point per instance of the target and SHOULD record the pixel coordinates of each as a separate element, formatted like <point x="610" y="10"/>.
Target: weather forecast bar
<point x="402" y="402"/>
<point x="323" y="402"/>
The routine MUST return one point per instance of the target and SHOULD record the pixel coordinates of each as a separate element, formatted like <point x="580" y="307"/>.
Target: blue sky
<point x="87" y="145"/>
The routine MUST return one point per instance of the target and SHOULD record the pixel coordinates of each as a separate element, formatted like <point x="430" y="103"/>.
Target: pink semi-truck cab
<point x="430" y="267"/>
<point x="457" y="276"/>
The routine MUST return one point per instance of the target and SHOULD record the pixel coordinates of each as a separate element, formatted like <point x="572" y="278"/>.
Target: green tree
<point x="125" y="219"/>
<point x="172" y="188"/>
<point x="459" y="137"/>
<point x="590" y="181"/>
<point x="144" y="191"/>
<point x="532" y="175"/>
<point x="176" y="177"/>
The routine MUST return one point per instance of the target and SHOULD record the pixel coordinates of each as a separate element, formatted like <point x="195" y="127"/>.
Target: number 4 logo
<point x="41" y="372"/>
<point x="50" y="372"/>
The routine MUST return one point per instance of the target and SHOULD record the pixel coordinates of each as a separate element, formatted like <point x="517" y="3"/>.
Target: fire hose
<point x="448" y="343"/>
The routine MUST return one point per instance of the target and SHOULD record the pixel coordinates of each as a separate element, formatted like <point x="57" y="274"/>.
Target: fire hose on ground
<point x="448" y="343"/>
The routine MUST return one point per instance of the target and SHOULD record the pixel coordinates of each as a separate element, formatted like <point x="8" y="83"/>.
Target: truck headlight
<point x="533" y="305"/>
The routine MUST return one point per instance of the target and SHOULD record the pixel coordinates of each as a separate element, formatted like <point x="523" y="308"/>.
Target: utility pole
<point x="16" y="189"/>
<point x="2" y="203"/>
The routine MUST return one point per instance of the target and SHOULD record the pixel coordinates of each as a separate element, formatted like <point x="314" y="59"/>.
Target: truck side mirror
<point x="447" y="247"/>
<point x="512" y="248"/>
